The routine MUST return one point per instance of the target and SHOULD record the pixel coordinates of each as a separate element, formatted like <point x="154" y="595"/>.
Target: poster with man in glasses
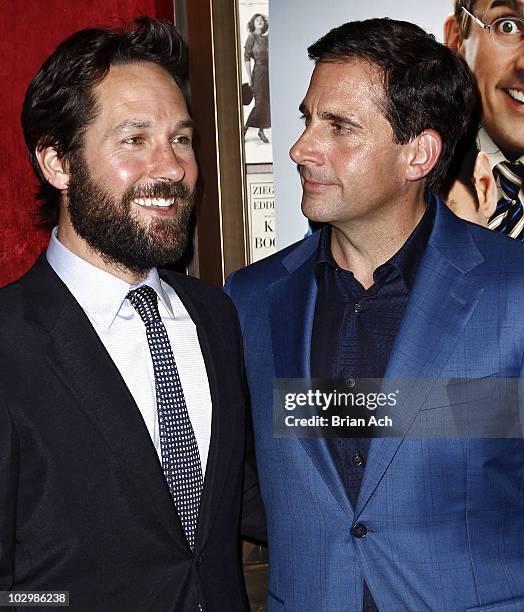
<point x="490" y="34"/>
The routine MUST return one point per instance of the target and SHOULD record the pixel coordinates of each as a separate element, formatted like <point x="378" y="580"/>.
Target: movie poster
<point x="254" y="30"/>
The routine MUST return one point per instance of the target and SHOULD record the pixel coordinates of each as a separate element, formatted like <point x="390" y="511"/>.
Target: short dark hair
<point x="426" y="85"/>
<point x="60" y="104"/>
<point x="251" y="23"/>
<point x="463" y="18"/>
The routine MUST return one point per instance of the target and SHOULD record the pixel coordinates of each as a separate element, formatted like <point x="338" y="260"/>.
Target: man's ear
<point x="53" y="167"/>
<point x="452" y="33"/>
<point x="424" y="150"/>
<point x="485" y="185"/>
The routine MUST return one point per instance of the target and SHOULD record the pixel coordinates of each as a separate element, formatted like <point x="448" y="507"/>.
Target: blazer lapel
<point x="80" y="360"/>
<point x="440" y="305"/>
<point x="291" y="310"/>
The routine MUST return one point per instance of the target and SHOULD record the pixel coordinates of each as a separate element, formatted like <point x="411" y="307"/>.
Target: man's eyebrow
<point x="513" y="5"/>
<point x="328" y="116"/>
<point x="130" y="124"/>
<point x="337" y="118"/>
<point x="138" y="124"/>
<point x="186" y="123"/>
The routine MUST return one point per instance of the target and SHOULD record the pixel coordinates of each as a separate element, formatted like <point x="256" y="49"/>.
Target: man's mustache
<point x="159" y="189"/>
<point x="308" y="174"/>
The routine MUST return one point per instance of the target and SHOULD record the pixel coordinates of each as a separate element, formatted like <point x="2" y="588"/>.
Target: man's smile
<point x="155" y="202"/>
<point x="516" y="94"/>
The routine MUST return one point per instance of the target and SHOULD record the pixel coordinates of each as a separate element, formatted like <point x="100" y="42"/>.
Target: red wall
<point x="29" y="31"/>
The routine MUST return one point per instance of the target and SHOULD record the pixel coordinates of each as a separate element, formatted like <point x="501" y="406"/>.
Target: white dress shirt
<point x="495" y="155"/>
<point x="102" y="296"/>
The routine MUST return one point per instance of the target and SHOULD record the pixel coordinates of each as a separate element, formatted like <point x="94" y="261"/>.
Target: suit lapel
<point x="440" y="305"/>
<point x="80" y="360"/>
<point x="441" y="302"/>
<point x="291" y="310"/>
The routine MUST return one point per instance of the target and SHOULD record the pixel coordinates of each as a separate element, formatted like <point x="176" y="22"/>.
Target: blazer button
<point x="359" y="530"/>
<point x="357" y="460"/>
<point x="200" y="559"/>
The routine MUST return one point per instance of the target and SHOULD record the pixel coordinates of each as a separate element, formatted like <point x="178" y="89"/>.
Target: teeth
<point x="159" y="202"/>
<point x="516" y="94"/>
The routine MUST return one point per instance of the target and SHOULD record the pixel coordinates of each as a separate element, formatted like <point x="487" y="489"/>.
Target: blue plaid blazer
<point x="444" y="516"/>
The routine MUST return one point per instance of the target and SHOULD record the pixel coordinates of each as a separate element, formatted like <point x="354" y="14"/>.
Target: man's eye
<point x="133" y="140"/>
<point x="183" y="140"/>
<point x="509" y="27"/>
<point x="339" y="128"/>
<point x="304" y="119"/>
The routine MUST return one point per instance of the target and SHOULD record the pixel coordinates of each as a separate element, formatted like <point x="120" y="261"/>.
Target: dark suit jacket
<point x="84" y="505"/>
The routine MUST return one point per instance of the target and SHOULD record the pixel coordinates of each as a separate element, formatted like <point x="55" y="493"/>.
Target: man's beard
<point x="109" y="228"/>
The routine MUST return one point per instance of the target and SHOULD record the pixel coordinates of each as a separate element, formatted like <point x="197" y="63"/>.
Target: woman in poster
<point x="256" y="49"/>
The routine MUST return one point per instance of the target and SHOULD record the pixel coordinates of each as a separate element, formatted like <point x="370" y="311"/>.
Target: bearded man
<point x="122" y="401"/>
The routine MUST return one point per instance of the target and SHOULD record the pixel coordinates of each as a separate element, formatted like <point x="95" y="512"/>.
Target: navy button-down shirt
<point x="354" y="330"/>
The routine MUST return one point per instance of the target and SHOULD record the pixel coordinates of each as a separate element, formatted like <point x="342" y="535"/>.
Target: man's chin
<point x="510" y="139"/>
<point x="512" y="146"/>
<point x="314" y="212"/>
<point x="143" y="248"/>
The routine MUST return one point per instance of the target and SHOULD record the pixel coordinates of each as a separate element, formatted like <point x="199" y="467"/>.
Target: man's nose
<point x="519" y="56"/>
<point x="306" y="149"/>
<point x="165" y="164"/>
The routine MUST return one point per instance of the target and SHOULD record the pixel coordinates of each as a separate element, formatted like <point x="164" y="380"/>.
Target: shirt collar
<point x="405" y="260"/>
<point x="99" y="293"/>
<point x="495" y="155"/>
<point x="153" y="280"/>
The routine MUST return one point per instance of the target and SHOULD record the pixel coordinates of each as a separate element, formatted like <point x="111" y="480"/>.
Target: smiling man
<point x="122" y="401"/>
<point x="490" y="36"/>
<point x="394" y="286"/>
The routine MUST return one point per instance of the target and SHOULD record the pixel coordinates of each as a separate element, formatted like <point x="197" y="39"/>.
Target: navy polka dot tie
<point x="179" y="450"/>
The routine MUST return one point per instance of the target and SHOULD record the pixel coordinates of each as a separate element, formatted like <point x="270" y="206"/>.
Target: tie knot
<point x="512" y="171"/>
<point x="145" y="301"/>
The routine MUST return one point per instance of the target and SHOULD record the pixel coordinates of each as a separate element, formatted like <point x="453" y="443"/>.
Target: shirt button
<point x="357" y="460"/>
<point x="359" y="530"/>
<point x="357" y="308"/>
<point x="200" y="559"/>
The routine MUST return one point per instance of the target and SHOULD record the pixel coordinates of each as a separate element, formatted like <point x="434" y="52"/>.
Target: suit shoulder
<point x="11" y="298"/>
<point x="259" y="275"/>
<point x="499" y="251"/>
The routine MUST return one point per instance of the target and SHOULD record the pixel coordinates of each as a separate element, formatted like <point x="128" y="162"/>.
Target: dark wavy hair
<point x="251" y="23"/>
<point x="60" y="103"/>
<point x="426" y="85"/>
